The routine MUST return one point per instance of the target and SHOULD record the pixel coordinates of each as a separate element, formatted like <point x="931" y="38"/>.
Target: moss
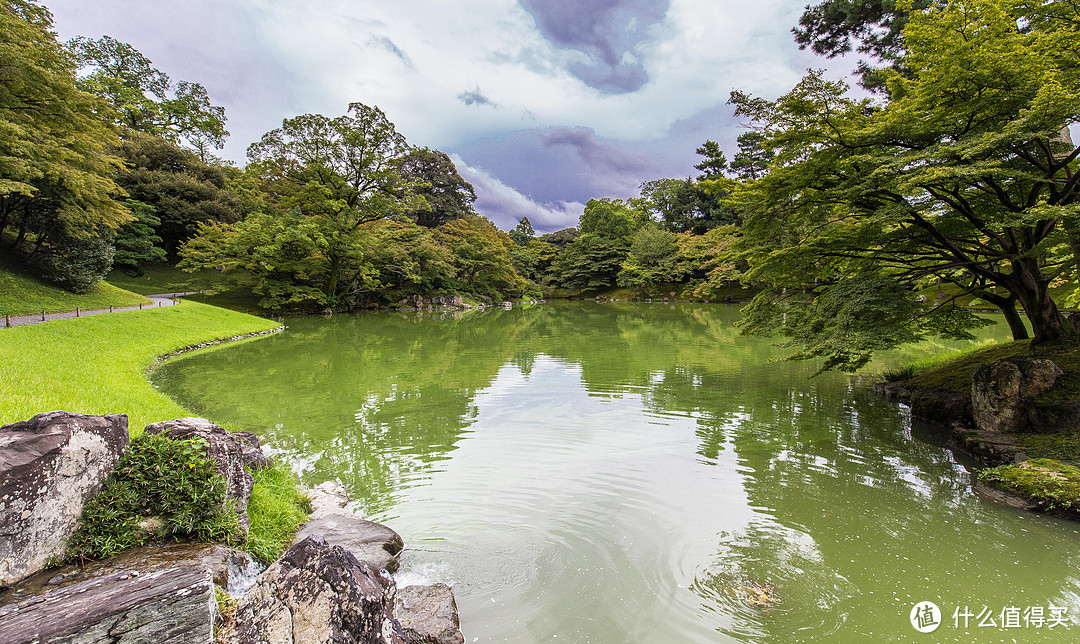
<point x="955" y="374"/>
<point x="1063" y="446"/>
<point x="1051" y="483"/>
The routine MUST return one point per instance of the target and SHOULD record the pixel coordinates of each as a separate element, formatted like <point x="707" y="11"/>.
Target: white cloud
<point x="505" y="206"/>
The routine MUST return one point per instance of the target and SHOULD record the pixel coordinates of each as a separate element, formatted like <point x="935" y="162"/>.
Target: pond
<point x="626" y="473"/>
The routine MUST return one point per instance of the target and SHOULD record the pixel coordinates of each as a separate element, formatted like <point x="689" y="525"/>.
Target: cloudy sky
<point x="542" y="104"/>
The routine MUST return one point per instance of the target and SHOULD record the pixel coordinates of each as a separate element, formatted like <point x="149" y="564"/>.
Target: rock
<point x="328" y="497"/>
<point x="942" y="406"/>
<point x="126" y="607"/>
<point x="1001" y="390"/>
<point x="224" y="565"/>
<point x="49" y="466"/>
<point x="428" y="615"/>
<point x="370" y="542"/>
<point x="892" y="391"/>
<point x="318" y="593"/>
<point x="231" y="453"/>
<point x="1054" y="416"/>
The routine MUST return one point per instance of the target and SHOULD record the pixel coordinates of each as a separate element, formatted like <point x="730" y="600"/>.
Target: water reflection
<point x="631" y="473"/>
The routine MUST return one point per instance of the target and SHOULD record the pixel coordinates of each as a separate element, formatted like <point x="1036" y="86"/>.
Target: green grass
<point x="225" y="291"/>
<point x="22" y="293"/>
<point x="98" y="364"/>
<point x="275" y="511"/>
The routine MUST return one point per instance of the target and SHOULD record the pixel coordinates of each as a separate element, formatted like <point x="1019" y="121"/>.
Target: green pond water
<point x="626" y="473"/>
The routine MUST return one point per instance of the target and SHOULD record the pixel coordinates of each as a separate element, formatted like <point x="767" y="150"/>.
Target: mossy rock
<point x="1051" y="484"/>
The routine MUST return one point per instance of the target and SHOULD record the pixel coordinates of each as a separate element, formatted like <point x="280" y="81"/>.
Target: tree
<point x="752" y="160"/>
<point x="684" y="205"/>
<point x="339" y="173"/>
<point x="144" y="97"/>
<point x="875" y="27"/>
<point x="523" y="233"/>
<point x="182" y="190"/>
<point x="709" y="262"/>
<point x="612" y="218"/>
<point x="435" y="178"/>
<point x="591" y="261"/>
<point x="481" y="256"/>
<point x="135" y="242"/>
<point x="56" y="186"/>
<point x="714" y="164"/>
<point x="652" y="259"/>
<point x="562" y="238"/>
<point x="963" y="176"/>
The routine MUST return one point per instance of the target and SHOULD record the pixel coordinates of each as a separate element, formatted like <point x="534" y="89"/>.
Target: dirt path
<point x="159" y="300"/>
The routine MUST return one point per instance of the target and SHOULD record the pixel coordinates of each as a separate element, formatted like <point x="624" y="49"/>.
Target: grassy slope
<point x="21" y="293"/>
<point x="165" y="278"/>
<point x="98" y="364"/>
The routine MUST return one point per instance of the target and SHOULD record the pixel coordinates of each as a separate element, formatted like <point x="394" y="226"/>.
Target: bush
<point x="77" y="264"/>
<point x="158" y="477"/>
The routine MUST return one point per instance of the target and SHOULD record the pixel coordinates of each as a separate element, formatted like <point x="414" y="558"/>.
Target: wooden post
<point x="140" y="306"/>
<point x="7" y="320"/>
<point x="42" y="315"/>
<point x="159" y="304"/>
<point x="110" y="308"/>
<point x="76" y="311"/>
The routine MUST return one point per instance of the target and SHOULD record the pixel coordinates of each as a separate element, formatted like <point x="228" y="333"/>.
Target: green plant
<point x="158" y="477"/>
<point x="275" y="511"/>
<point x="1051" y="483"/>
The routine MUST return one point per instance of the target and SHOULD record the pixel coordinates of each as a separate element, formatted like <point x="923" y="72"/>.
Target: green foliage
<point x="686" y="206"/>
<point x="950" y="181"/>
<point x="652" y="259"/>
<point x="715" y="164"/>
<point x="591" y="261"/>
<point x="55" y="172"/>
<point x="751" y="162"/>
<point x="560" y="239"/>
<point x="481" y="256"/>
<point x="76" y="264"/>
<point x="158" y="477"/>
<point x="144" y="97"/>
<point x="446" y="195"/>
<point x="523" y="233"/>
<point x="612" y="218"/>
<point x="183" y="190"/>
<point x="136" y="242"/>
<point x="1052" y="484"/>
<point x="275" y="510"/>
<point x="709" y="262"/>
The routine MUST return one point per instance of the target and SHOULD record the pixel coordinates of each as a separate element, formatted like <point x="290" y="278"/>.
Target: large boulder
<point x="942" y="406"/>
<point x="318" y="593"/>
<point x="169" y="604"/>
<point x="428" y="614"/>
<point x="1001" y="391"/>
<point x="372" y="542"/>
<point x="49" y="466"/>
<point x="231" y="453"/>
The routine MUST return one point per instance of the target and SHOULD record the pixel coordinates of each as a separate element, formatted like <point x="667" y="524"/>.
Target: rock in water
<point x="318" y="593"/>
<point x="126" y="607"/>
<point x="230" y="452"/>
<point x="49" y="466"/>
<point x="372" y="542"/>
<point x="428" y="615"/>
<point x="1000" y="391"/>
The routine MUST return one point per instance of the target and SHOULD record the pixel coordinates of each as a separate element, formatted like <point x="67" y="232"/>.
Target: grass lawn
<point x="166" y="278"/>
<point x="22" y="293"/>
<point x="98" y="364"/>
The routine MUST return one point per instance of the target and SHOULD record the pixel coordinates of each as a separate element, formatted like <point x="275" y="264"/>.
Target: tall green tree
<point x="652" y="259"/>
<point x="523" y="233"/>
<point x="435" y="178"/>
<point x="182" y="190"/>
<point x="145" y="99"/>
<point x="715" y="164"/>
<point x="56" y="187"/>
<point x="613" y="218"/>
<point x="751" y="162"/>
<point x="962" y="176"/>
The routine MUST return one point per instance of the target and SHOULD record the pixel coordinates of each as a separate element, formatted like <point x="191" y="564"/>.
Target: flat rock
<point x="49" y="466"/>
<point x="372" y="542"/>
<point x="318" y="593"/>
<point x="428" y="614"/>
<point x="174" y="605"/>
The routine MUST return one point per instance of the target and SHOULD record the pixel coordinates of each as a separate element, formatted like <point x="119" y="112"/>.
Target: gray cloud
<point x="608" y="31"/>
<point x="475" y="97"/>
<point x="388" y="45"/>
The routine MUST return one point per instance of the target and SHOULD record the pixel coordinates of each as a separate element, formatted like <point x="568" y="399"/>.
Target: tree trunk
<point x="331" y="281"/>
<point x="1007" y="305"/>
<point x="1033" y="292"/>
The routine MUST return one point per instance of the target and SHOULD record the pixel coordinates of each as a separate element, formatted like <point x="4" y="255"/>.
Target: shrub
<point x="158" y="477"/>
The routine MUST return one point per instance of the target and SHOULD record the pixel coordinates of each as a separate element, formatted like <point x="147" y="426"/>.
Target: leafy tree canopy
<point x="523" y="233"/>
<point x="715" y="164"/>
<point x="145" y="98"/>
<point x="613" y="218"/>
<point x="962" y="177"/>
<point x="435" y="178"/>
<point x="652" y="259"/>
